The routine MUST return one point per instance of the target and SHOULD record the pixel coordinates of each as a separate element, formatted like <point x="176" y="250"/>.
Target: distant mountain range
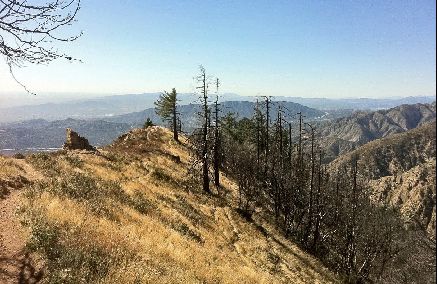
<point x="345" y="134"/>
<point x="189" y="113"/>
<point x="108" y="106"/>
<point x="45" y="134"/>
<point x="358" y="103"/>
<point x="41" y="133"/>
<point x="94" y="108"/>
<point x="337" y="136"/>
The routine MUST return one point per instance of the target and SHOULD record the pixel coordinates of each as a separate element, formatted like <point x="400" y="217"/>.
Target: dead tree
<point x="258" y="124"/>
<point x="299" y="149"/>
<point x="203" y="87"/>
<point x="267" y="138"/>
<point x="216" y="149"/>
<point x="280" y="137"/>
<point x="290" y="144"/>
<point x="318" y="200"/>
<point x="311" y="193"/>
<point x="352" y="225"/>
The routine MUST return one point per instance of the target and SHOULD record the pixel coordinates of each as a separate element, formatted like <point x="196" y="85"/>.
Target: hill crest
<point x="346" y="134"/>
<point x="129" y="214"/>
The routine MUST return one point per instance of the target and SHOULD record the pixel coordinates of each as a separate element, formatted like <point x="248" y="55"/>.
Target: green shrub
<point x="35" y="189"/>
<point x="160" y="175"/>
<point x="117" y="161"/>
<point x="4" y="191"/>
<point x="184" y="230"/>
<point x="44" y="162"/>
<point x="67" y="262"/>
<point x="18" y="156"/>
<point x="148" y="123"/>
<point x="141" y="203"/>
<point x="77" y="186"/>
<point x="74" y="161"/>
<point x="94" y="193"/>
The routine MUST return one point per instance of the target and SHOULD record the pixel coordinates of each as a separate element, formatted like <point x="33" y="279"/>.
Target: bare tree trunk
<point x="290" y="145"/>
<point x="204" y="158"/>
<point x="281" y="139"/>
<point x="217" y="158"/>
<point x="350" y="240"/>
<point x="217" y="142"/>
<point x="175" y="124"/>
<point x="316" y="233"/>
<point x="258" y="142"/>
<point x="300" y="141"/>
<point x="267" y="127"/>
<point x="310" y="208"/>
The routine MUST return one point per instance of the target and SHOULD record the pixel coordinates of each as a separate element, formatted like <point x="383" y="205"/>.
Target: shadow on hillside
<point x="19" y="269"/>
<point x="4" y="192"/>
<point x="286" y="248"/>
<point x="15" y="183"/>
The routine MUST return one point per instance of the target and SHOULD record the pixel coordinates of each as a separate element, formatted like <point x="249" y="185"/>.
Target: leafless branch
<point x="28" y="31"/>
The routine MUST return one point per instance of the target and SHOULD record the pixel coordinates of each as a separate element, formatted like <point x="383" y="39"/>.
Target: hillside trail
<point x="16" y="264"/>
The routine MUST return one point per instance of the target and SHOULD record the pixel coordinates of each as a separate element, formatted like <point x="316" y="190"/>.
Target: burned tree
<point x="217" y="139"/>
<point x="325" y="210"/>
<point x="206" y="138"/>
<point x="311" y="190"/>
<point x="267" y="138"/>
<point x="203" y="87"/>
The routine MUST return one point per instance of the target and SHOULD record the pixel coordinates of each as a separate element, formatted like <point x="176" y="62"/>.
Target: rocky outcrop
<point x="75" y="142"/>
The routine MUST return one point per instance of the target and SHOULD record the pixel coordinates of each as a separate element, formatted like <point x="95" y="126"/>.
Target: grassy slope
<point x="131" y="215"/>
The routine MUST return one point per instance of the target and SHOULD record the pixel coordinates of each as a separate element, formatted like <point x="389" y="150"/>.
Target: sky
<point x="332" y="49"/>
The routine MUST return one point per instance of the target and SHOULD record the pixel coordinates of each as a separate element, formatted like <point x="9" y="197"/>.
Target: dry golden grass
<point x="8" y="168"/>
<point x="158" y="231"/>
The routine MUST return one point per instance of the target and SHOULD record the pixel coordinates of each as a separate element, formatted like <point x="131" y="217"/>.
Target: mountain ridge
<point x="41" y="133"/>
<point x="345" y="134"/>
<point x="100" y="107"/>
<point x="189" y="112"/>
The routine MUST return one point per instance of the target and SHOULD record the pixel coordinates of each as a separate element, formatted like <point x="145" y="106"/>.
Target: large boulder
<point x="76" y="142"/>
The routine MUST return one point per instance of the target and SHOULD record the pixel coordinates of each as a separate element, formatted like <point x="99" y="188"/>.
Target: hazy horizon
<point x="15" y="99"/>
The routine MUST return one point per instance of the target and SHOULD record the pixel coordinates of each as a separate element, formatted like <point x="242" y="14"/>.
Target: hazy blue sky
<point x="294" y="48"/>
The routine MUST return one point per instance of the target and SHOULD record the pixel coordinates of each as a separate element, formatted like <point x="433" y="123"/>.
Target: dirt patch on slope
<point x="16" y="265"/>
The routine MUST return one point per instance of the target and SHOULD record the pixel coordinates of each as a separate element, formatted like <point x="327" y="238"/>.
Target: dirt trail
<point x="16" y="266"/>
